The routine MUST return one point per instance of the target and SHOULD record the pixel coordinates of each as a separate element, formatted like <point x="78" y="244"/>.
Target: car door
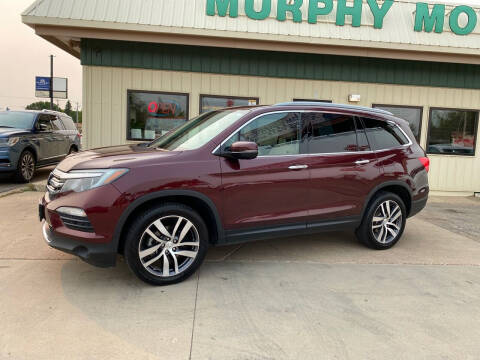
<point x="62" y="143"/>
<point x="271" y="190"/>
<point x="44" y="138"/>
<point x="342" y="167"/>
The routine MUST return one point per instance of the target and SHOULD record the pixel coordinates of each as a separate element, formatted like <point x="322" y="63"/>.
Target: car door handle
<point x="298" y="167"/>
<point x="362" y="162"/>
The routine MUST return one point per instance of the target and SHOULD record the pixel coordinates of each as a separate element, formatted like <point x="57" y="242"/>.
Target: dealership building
<point x="150" y="65"/>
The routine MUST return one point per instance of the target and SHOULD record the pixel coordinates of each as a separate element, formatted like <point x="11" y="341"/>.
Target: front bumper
<point x="101" y="255"/>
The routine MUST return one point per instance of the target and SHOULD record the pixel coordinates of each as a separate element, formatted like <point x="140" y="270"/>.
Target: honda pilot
<point x="235" y="175"/>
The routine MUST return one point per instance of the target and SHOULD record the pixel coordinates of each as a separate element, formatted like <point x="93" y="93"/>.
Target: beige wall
<point x="105" y="107"/>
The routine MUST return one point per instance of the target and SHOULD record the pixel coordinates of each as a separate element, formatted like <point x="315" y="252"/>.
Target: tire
<point x="25" y="167"/>
<point x="72" y="150"/>
<point x="149" y="238"/>
<point x="382" y="225"/>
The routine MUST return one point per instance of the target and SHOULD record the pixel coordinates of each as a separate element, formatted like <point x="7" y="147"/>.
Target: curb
<point x="33" y="187"/>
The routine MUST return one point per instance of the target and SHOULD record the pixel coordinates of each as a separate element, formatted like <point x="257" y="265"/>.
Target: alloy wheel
<point x="169" y="246"/>
<point x="387" y="222"/>
<point x="27" y="166"/>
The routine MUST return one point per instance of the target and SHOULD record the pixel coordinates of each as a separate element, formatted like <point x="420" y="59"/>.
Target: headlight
<point x="9" y="141"/>
<point x="83" y="180"/>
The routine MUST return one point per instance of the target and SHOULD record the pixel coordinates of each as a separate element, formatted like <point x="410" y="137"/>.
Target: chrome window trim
<point x="410" y="142"/>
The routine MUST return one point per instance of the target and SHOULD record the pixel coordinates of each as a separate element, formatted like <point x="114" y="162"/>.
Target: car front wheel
<point x="166" y="244"/>
<point x="25" y="167"/>
<point x="384" y="222"/>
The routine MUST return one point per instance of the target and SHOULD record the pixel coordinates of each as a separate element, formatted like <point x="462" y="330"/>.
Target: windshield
<point x="17" y="120"/>
<point x="198" y="131"/>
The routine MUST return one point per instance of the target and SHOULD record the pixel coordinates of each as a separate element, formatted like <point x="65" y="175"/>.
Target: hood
<point x="7" y="132"/>
<point x="125" y="156"/>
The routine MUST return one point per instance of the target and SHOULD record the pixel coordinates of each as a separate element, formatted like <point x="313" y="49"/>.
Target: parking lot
<point x="321" y="297"/>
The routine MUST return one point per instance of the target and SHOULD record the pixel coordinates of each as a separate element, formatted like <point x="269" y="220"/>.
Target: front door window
<point x="275" y="134"/>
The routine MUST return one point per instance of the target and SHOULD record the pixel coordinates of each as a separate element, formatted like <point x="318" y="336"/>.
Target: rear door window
<point x="56" y="123"/>
<point x="330" y="133"/>
<point x="363" y="144"/>
<point x="383" y="135"/>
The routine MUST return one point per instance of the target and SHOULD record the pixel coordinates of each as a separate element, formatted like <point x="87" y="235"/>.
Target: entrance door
<point x="270" y="190"/>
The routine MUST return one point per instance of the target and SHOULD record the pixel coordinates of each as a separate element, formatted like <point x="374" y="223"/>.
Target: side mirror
<point x="242" y="150"/>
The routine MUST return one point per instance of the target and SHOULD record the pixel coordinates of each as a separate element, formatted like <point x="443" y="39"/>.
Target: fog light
<point x="72" y="211"/>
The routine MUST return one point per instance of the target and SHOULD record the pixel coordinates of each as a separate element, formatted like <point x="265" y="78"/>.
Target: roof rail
<point x="336" y="106"/>
<point x="54" y="112"/>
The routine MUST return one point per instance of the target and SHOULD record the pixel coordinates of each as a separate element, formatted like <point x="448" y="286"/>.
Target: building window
<point x="152" y="114"/>
<point x="452" y="132"/>
<point x="412" y="114"/>
<point x="309" y="100"/>
<point x="214" y="102"/>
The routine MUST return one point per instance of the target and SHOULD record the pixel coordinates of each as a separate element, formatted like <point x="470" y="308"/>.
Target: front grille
<point x="55" y="183"/>
<point x="77" y="223"/>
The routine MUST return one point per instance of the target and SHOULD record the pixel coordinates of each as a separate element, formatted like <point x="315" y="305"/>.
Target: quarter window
<point x="214" y="102"/>
<point x="411" y="114"/>
<point x="152" y="114"/>
<point x="452" y="132"/>
<point x="383" y="135"/>
<point x="275" y="134"/>
<point x="330" y="133"/>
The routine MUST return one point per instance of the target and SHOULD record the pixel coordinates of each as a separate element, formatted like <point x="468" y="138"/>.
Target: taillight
<point x="425" y="162"/>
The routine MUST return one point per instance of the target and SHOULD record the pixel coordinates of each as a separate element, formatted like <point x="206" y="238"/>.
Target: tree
<point x="68" y="108"/>
<point x="41" y="105"/>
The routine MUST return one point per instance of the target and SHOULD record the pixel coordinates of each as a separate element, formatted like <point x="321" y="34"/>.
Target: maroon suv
<point x="236" y="175"/>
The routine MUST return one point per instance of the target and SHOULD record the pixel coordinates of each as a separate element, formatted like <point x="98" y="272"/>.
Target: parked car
<point x="33" y="139"/>
<point x="235" y="175"/>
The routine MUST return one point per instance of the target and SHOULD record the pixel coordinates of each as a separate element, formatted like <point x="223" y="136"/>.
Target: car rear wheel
<point x="166" y="244"/>
<point x="26" y="167"/>
<point x="384" y="222"/>
<point x="72" y="150"/>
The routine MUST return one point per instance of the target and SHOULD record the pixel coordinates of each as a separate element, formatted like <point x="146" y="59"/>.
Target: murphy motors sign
<point x="427" y="18"/>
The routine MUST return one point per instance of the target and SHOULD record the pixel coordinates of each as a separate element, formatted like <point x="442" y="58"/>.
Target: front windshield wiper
<point x="3" y="126"/>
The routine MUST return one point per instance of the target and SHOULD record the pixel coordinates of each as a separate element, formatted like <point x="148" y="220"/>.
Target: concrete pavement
<point x="321" y="297"/>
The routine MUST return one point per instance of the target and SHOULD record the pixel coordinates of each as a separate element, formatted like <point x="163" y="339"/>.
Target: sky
<point x="24" y="55"/>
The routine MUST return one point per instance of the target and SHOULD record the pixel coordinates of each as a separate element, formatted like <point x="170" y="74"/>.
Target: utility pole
<point x="51" y="81"/>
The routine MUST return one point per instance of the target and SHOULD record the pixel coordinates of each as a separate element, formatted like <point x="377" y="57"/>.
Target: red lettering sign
<point x="162" y="108"/>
